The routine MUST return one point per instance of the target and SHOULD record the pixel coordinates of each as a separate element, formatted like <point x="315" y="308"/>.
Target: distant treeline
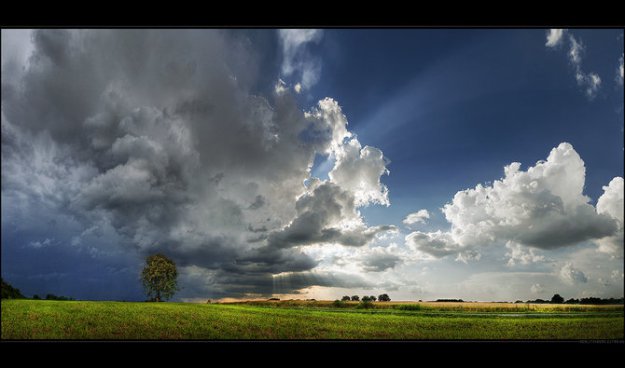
<point x="9" y="292"/>
<point x="53" y="297"/>
<point x="450" y="300"/>
<point x="591" y="300"/>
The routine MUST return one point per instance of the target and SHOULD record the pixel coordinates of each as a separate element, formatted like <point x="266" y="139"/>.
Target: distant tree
<point x="355" y="298"/>
<point x="159" y="277"/>
<point x="9" y="292"/>
<point x="572" y="301"/>
<point x="384" y="298"/>
<point x="346" y="298"/>
<point x="557" y="299"/>
<point x="54" y="297"/>
<point x="365" y="303"/>
<point x="36" y="297"/>
<point x="373" y="298"/>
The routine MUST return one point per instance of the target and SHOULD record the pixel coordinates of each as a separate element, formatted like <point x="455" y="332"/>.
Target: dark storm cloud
<point x="259" y="201"/>
<point x="228" y="284"/>
<point x="317" y="212"/>
<point x="156" y="137"/>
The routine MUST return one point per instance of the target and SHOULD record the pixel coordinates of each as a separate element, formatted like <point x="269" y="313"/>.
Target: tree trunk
<point x="158" y="296"/>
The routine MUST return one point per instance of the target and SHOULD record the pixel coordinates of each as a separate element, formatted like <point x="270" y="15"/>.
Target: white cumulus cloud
<point x="542" y="207"/>
<point x="554" y="36"/>
<point x="611" y="204"/>
<point x="359" y="170"/>
<point x="418" y="217"/>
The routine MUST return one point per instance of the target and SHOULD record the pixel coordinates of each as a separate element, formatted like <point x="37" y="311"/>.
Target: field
<point x="44" y="319"/>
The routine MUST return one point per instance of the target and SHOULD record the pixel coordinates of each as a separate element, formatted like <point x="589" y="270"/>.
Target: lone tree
<point x="557" y="299"/>
<point x="159" y="277"/>
<point x="384" y="298"/>
<point x="355" y="298"/>
<point x="345" y="298"/>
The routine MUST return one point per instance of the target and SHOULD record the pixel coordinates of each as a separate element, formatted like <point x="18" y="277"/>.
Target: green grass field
<point x="43" y="319"/>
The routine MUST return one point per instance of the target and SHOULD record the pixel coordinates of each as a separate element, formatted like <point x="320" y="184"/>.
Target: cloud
<point x="296" y="59"/>
<point x="438" y="244"/>
<point x="162" y="146"/>
<point x="327" y="127"/>
<point x="39" y="244"/>
<point x="468" y="255"/>
<point x="381" y="259"/>
<point x="571" y="275"/>
<point x="537" y="289"/>
<point x="359" y="170"/>
<point x="518" y="254"/>
<point x="259" y="201"/>
<point x="589" y="81"/>
<point x="554" y="37"/>
<point x="575" y="51"/>
<point x="16" y="50"/>
<point x="280" y="88"/>
<point x="418" y="217"/>
<point x="543" y="207"/>
<point x="611" y="203"/>
<point x="325" y="214"/>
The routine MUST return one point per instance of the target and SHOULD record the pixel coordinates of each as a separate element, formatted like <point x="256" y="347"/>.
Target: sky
<point x="479" y="164"/>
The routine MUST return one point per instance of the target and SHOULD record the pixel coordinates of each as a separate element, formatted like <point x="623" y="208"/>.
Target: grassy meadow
<point x="46" y="319"/>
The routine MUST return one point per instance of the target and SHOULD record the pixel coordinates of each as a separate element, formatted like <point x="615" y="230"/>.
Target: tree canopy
<point x="159" y="277"/>
<point x="557" y="299"/>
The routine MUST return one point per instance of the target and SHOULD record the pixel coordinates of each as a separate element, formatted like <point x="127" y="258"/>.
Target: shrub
<point x="365" y="305"/>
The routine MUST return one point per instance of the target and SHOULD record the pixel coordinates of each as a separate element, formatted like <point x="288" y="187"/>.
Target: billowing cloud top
<point x="542" y="207"/>
<point x="417" y="217"/>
